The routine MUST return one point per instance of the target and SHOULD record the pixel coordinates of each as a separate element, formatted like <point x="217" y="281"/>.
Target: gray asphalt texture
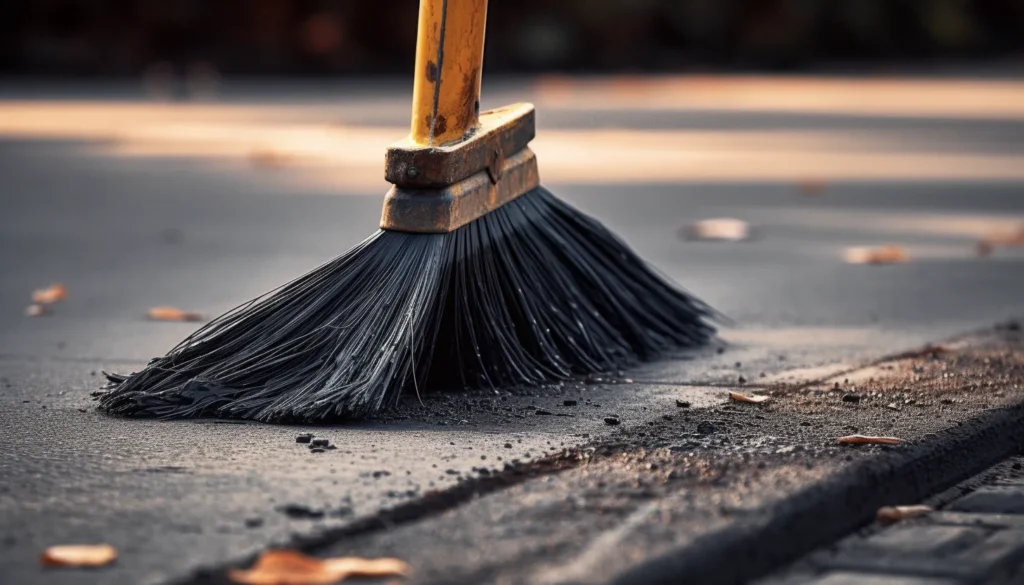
<point x="128" y="234"/>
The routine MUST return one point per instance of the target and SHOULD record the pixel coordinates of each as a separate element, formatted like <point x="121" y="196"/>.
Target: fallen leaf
<point x="268" y="158"/>
<point x="46" y="296"/>
<point x="887" y="254"/>
<point x="988" y="244"/>
<point x="811" y="186"/>
<point x="78" y="555"/>
<point x="290" y="567"/>
<point x="866" y="440"/>
<point x="37" y="310"/>
<point x="893" y="514"/>
<point x="725" y="229"/>
<point x="1011" y="238"/>
<point x="172" y="314"/>
<point x="747" y="398"/>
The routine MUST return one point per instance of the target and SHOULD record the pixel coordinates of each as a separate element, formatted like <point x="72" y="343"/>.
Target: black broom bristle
<point x="530" y="293"/>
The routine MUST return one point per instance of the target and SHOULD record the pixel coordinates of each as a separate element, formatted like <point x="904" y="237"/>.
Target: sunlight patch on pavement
<point x="939" y="98"/>
<point x="895" y="222"/>
<point x="350" y="157"/>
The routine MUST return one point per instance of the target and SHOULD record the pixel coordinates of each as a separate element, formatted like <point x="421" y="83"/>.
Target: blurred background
<point x="322" y="37"/>
<point x="246" y="138"/>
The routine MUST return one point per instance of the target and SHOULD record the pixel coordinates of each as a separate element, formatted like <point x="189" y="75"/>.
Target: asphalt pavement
<point x="204" y="232"/>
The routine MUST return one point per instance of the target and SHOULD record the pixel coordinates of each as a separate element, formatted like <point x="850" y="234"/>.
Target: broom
<point x="479" y="277"/>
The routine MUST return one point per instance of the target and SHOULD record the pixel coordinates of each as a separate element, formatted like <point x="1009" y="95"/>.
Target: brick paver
<point x="977" y="539"/>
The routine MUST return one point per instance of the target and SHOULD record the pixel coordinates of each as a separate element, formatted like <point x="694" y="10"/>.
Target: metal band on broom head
<point x="479" y="277"/>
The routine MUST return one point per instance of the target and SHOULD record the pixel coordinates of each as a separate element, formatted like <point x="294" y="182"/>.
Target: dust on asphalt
<point x="587" y="514"/>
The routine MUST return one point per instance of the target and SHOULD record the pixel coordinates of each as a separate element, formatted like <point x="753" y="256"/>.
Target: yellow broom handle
<point x="449" y="58"/>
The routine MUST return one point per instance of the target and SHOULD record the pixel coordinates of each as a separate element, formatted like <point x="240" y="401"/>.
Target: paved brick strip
<point x="828" y="510"/>
<point x="977" y="539"/>
<point x="726" y="493"/>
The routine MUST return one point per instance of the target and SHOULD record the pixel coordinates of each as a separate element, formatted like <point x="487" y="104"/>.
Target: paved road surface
<point x="204" y="231"/>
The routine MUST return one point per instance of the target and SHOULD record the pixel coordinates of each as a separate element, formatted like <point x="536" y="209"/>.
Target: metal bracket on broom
<point x="457" y="163"/>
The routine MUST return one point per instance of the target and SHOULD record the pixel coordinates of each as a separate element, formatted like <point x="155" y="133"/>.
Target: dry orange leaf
<point x="747" y="398"/>
<point x="172" y="314"/>
<point x="78" y="555"/>
<point x="987" y="245"/>
<point x="290" y="567"/>
<point x="887" y="254"/>
<point x="867" y="440"/>
<point x="266" y="158"/>
<point x="1012" y="238"/>
<point x="893" y="514"/>
<point x="812" y="186"/>
<point x="726" y="229"/>
<point x="46" y="296"/>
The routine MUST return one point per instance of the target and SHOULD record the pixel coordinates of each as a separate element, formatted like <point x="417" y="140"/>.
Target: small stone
<point x="341" y="512"/>
<point x="508" y="445"/>
<point x="300" y="511"/>
<point x="542" y="412"/>
<point x="854" y="398"/>
<point x="611" y="420"/>
<point x="706" y="428"/>
<point x="253" y="522"/>
<point x="320" y="442"/>
<point x="381" y="473"/>
<point x="741" y="380"/>
<point x="317" y="450"/>
<point x="37" y="310"/>
<point x="682" y="404"/>
<point x="568" y="403"/>
<point x="304" y="438"/>
<point x="720" y="350"/>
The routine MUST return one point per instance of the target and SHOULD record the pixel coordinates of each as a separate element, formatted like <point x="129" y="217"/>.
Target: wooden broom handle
<point x="449" y="58"/>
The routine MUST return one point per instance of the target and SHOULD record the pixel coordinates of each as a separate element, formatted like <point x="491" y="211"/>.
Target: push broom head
<point x="531" y="293"/>
<point x="479" y="277"/>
